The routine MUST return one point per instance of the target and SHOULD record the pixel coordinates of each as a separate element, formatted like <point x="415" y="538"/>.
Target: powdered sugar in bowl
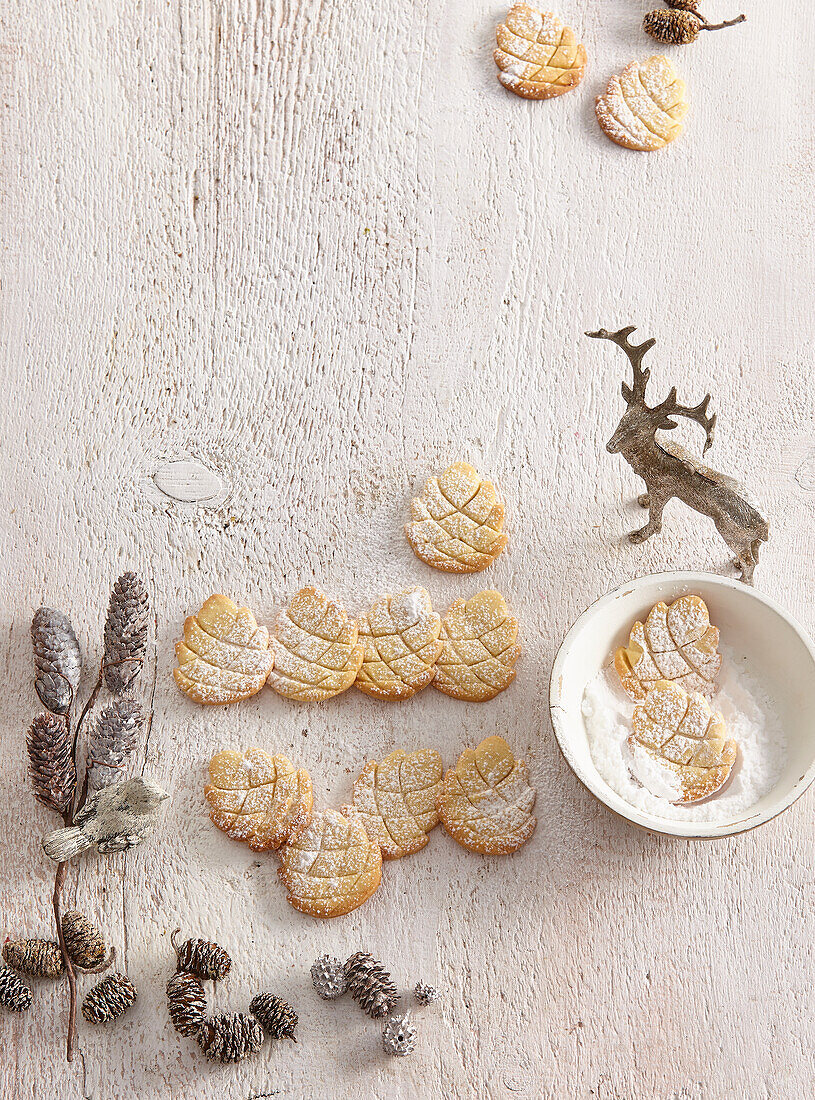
<point x="767" y="697"/>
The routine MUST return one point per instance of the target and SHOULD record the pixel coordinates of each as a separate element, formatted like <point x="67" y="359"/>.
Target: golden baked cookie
<point x="643" y="107"/>
<point x="400" y="637"/>
<point x="225" y="655"/>
<point x="479" y="641"/>
<point x="537" y="56"/>
<point x="675" y="643"/>
<point x="457" y="522"/>
<point x="683" y="734"/>
<point x="261" y="799"/>
<point x="395" y="799"/>
<point x="316" y="649"/>
<point x="486" y="801"/>
<point x="331" y="866"/>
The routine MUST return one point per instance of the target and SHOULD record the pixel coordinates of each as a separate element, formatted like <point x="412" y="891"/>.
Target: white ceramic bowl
<point x="778" y="653"/>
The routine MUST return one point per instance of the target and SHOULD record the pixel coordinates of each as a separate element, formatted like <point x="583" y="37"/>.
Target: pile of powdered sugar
<point x="750" y="718"/>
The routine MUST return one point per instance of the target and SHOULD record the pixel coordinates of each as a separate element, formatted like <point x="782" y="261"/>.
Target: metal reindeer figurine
<point x="668" y="470"/>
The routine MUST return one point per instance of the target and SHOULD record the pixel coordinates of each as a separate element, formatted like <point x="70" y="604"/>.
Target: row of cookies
<point x="331" y="860"/>
<point x="315" y="651"/>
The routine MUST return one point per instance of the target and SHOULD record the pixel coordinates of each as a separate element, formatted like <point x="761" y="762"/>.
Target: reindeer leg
<point x="656" y="504"/>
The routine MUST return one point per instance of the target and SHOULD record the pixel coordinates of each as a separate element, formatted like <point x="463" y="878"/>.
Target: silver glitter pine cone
<point x="109" y="999"/>
<point x="125" y="632"/>
<point x="186" y="1003"/>
<point x="370" y="985"/>
<point x="399" y="1035"/>
<point x="15" y="996"/>
<point x="277" y="1018"/>
<point x="425" y="994"/>
<point x="230" y="1037"/>
<point x="57" y="659"/>
<point x="328" y="977"/>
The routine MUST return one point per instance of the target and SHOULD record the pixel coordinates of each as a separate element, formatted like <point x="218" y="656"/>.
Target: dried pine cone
<point x="682" y="5"/>
<point x="112" y="740"/>
<point x="230" y="1037"/>
<point x="37" y="958"/>
<point x="109" y="999"/>
<point x="328" y="977"/>
<point x="370" y="985"/>
<point x="399" y="1036"/>
<point x="277" y="1018"/>
<point x="202" y="958"/>
<point x="186" y="1003"/>
<point x="57" y="659"/>
<point x="674" y="28"/>
<point x="14" y="995"/>
<point x="425" y="994"/>
<point x="51" y="763"/>
<point x="125" y="632"/>
<point x="84" y="941"/>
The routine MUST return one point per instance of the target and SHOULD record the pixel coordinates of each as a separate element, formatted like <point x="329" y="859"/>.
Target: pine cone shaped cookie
<point x="643" y="107"/>
<point x="681" y="732"/>
<point x="486" y="802"/>
<point x="316" y="649"/>
<point x="400" y="637"/>
<point x="457" y="523"/>
<point x="537" y="56"/>
<point x="225" y="654"/>
<point x="331" y="867"/>
<point x="676" y="643"/>
<point x="261" y="799"/>
<point x="395" y="799"/>
<point x="479" y="648"/>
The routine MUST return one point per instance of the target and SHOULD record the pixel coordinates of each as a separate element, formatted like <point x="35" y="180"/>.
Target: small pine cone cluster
<point x="109" y="999"/>
<point x="36" y="958"/>
<point x="202" y="958"/>
<point x="125" y="633"/>
<point x="372" y="987"/>
<point x="230" y="1036"/>
<point x="15" y="996"/>
<point x="186" y="1003"/>
<point x="277" y="1018"/>
<point x="84" y="941"/>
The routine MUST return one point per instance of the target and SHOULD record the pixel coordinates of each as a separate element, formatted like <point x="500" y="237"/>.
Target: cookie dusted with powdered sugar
<point x="395" y="799"/>
<point x="224" y="656"/>
<point x="486" y="800"/>
<point x="258" y="798"/>
<point x="538" y="57"/>
<point x="479" y="640"/>
<point x="642" y="108"/>
<point x="400" y="637"/>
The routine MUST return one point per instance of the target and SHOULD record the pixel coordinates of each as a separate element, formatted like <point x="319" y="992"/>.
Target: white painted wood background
<point x="318" y="250"/>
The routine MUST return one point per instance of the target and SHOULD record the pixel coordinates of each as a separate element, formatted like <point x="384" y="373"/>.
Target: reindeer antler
<point x="636" y="353"/>
<point x="669" y="408"/>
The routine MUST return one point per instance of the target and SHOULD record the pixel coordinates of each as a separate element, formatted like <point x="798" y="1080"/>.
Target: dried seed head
<point x="14" y="995"/>
<point x="328" y="977"/>
<point x="277" y="1018"/>
<point x="370" y="985"/>
<point x="57" y="659"/>
<point x="186" y="1003"/>
<point x="682" y="5"/>
<point x="673" y="28"/>
<point x="83" y="940"/>
<point x="109" y="999"/>
<point x="230" y="1037"/>
<point x="36" y="958"/>
<point x="125" y="632"/>
<point x="399" y="1035"/>
<point x="425" y="994"/>
<point x="202" y="958"/>
<point x="112" y="740"/>
<point x="50" y="762"/>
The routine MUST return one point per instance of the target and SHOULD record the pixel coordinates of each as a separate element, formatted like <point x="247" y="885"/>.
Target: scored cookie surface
<point x="538" y="57"/>
<point x="224" y="656"/>
<point x="457" y="523"/>
<point x="642" y="108"/>
<point x="331" y="866"/>
<point x="676" y="643"/>
<point x="486" y="800"/>
<point x="479" y="640"/>
<point x="684" y="734"/>
<point x="316" y="649"/>
<point x="400" y="638"/>
<point x="258" y="798"/>
<point x="395" y="799"/>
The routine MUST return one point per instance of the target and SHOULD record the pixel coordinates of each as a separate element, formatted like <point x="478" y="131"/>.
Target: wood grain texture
<point x="316" y="249"/>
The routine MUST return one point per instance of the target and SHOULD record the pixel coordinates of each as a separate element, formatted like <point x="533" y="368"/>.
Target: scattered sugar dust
<point x="750" y="718"/>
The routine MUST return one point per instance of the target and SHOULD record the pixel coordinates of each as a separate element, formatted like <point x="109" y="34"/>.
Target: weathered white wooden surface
<point x="316" y="249"/>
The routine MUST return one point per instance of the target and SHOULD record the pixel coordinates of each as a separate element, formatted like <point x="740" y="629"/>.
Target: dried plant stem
<point x="707" y="26"/>
<point x="59" y="882"/>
